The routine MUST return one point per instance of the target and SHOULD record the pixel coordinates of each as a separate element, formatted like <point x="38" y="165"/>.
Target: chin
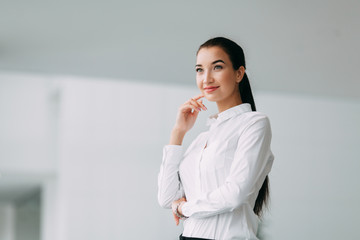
<point x="210" y="98"/>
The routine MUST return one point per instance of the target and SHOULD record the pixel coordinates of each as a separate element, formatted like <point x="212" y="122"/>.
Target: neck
<point x="229" y="103"/>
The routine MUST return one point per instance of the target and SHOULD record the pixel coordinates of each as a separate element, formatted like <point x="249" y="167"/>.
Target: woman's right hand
<point x="186" y="117"/>
<point x="175" y="208"/>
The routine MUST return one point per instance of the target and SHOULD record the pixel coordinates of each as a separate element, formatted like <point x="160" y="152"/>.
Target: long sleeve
<point x="252" y="162"/>
<point x="169" y="185"/>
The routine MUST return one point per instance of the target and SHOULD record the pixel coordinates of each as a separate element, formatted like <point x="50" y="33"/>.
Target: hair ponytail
<point x="262" y="198"/>
<point x="247" y="97"/>
<point x="246" y="93"/>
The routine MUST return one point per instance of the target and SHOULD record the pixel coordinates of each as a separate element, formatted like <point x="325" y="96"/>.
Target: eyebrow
<point x="214" y="62"/>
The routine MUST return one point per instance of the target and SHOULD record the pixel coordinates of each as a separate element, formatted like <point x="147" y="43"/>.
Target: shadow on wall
<point x="28" y="217"/>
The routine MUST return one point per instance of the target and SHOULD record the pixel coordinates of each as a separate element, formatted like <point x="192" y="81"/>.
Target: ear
<point x="240" y="74"/>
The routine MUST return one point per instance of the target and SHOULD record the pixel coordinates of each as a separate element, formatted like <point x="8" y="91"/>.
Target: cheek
<point x="198" y="83"/>
<point x="230" y="80"/>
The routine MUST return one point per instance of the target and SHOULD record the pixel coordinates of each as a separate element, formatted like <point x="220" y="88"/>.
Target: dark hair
<point x="237" y="58"/>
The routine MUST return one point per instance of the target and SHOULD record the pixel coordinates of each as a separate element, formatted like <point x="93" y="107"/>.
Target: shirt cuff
<point x="186" y="209"/>
<point x="172" y="154"/>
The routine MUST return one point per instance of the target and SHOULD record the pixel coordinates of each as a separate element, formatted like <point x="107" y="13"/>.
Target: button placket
<point x="203" y="148"/>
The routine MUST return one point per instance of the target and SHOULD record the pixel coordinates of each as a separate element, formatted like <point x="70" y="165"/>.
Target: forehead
<point x="207" y="55"/>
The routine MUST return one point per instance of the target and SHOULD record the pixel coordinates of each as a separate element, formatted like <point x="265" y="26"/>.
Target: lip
<point x="210" y="89"/>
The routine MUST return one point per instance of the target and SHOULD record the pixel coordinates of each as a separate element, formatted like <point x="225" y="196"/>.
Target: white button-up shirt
<point x="220" y="174"/>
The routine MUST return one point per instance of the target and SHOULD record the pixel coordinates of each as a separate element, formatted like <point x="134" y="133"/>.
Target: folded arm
<point x="169" y="185"/>
<point x="252" y="162"/>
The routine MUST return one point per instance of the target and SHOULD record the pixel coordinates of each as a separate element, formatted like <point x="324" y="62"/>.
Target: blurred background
<point x="89" y="92"/>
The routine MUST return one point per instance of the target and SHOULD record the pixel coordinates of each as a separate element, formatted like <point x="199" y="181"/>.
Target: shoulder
<point x="251" y="123"/>
<point x="255" y="119"/>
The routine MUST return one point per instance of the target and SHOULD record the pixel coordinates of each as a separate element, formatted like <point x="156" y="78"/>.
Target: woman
<point x="219" y="186"/>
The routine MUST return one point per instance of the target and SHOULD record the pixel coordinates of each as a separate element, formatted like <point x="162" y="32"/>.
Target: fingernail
<point x="199" y="109"/>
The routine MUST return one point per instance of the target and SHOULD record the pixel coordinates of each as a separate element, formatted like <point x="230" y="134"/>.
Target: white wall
<point x="27" y="151"/>
<point x="26" y="124"/>
<point x="110" y="140"/>
<point x="49" y="210"/>
<point x="112" y="135"/>
<point x="315" y="176"/>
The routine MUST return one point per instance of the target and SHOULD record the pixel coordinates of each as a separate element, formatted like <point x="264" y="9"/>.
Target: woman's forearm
<point x="176" y="137"/>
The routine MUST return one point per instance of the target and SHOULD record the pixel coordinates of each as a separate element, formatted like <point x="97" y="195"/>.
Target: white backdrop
<point x="110" y="136"/>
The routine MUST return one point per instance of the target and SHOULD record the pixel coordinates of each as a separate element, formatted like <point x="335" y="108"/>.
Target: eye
<point x="218" y="67"/>
<point x="198" y="69"/>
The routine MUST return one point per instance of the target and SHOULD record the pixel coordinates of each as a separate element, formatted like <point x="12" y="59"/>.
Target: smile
<point x="210" y="89"/>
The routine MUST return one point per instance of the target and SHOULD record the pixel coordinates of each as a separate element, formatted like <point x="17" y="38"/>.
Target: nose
<point x="207" y="78"/>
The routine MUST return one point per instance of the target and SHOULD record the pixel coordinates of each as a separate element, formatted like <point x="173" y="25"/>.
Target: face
<point x="215" y="75"/>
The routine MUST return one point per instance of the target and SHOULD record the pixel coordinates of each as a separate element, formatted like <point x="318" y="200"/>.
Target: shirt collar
<point x="228" y="113"/>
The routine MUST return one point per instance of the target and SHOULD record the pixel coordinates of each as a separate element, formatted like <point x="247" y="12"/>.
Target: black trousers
<point x="190" y="238"/>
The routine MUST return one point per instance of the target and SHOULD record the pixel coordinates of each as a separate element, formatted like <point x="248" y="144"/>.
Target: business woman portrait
<point x="219" y="185"/>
